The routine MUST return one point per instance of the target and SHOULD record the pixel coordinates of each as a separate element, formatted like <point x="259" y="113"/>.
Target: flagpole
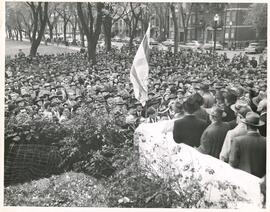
<point x="146" y="115"/>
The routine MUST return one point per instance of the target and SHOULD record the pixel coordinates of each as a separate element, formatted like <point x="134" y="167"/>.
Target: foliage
<point x="134" y="186"/>
<point x="86" y="143"/>
<point x="66" y="190"/>
<point x="16" y="16"/>
<point x="33" y="131"/>
<point x="94" y="139"/>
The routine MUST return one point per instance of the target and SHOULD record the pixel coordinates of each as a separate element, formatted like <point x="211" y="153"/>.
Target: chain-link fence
<point x="25" y="162"/>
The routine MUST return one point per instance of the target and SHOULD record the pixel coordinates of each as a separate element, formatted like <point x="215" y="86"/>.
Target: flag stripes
<point x="140" y="69"/>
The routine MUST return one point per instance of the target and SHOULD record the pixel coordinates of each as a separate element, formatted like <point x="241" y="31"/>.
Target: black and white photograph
<point x="135" y="104"/>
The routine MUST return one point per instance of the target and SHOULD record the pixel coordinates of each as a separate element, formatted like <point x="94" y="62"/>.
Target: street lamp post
<point x="215" y="30"/>
<point x="230" y="35"/>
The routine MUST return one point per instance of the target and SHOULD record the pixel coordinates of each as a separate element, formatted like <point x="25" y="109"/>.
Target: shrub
<point x="94" y="138"/>
<point x="135" y="186"/>
<point x="33" y="131"/>
<point x="86" y="142"/>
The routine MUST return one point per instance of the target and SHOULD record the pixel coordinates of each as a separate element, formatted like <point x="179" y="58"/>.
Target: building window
<point x="227" y="35"/>
<point x="232" y="33"/>
<point x="228" y="17"/>
<point x="233" y="17"/>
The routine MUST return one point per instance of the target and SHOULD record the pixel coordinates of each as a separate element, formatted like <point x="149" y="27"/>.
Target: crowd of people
<point x="219" y="104"/>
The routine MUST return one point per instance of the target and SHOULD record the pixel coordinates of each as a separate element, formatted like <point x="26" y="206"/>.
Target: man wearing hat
<point x="209" y="99"/>
<point x="241" y="109"/>
<point x="230" y="99"/>
<point x="189" y="129"/>
<point x="213" y="137"/>
<point x="262" y="110"/>
<point x="248" y="152"/>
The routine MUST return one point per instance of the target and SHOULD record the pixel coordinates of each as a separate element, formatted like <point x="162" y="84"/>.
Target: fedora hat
<point x="239" y="104"/>
<point x="253" y="119"/>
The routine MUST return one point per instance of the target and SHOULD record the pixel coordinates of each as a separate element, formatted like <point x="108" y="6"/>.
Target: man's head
<point x="252" y="120"/>
<point x="177" y="107"/>
<point x="204" y="87"/>
<point x="23" y="111"/>
<point x="151" y="111"/>
<point x="190" y="105"/>
<point x="240" y="108"/>
<point x="262" y="105"/>
<point x="230" y="98"/>
<point x="216" y="114"/>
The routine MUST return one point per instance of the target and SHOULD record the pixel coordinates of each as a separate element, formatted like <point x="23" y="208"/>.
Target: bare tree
<point x="185" y="14"/>
<point x="131" y="19"/>
<point x="175" y="24"/>
<point x="160" y="10"/>
<point x="53" y="17"/>
<point x="64" y="11"/>
<point x="81" y="34"/>
<point x="113" y="12"/>
<point x="40" y="15"/>
<point x="91" y="25"/>
<point x="16" y="13"/>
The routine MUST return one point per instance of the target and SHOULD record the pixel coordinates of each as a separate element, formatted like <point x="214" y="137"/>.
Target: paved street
<point x="12" y="48"/>
<point x="230" y="54"/>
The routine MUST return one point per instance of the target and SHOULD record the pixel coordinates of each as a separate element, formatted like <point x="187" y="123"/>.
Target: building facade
<point x="231" y="27"/>
<point x="235" y="29"/>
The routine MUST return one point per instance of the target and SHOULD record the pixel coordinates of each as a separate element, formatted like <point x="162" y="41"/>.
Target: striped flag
<point x="140" y="69"/>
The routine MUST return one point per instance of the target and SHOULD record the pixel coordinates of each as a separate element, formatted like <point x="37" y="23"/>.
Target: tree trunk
<point x="29" y="36"/>
<point x="132" y="34"/>
<point x="108" y="42"/>
<point x="81" y="34"/>
<point x="82" y="39"/>
<point x="21" y="35"/>
<point x="74" y="33"/>
<point x="168" y="24"/>
<point x="56" y="31"/>
<point x="39" y="27"/>
<point x="93" y="32"/>
<point x="131" y="42"/>
<point x="185" y="34"/>
<point x="9" y="33"/>
<point x="107" y="24"/>
<point x="17" y="34"/>
<point x="175" y="24"/>
<point x="89" y="49"/>
<point x="92" y="51"/>
<point x="196" y="22"/>
<point x="65" y="33"/>
<point x="74" y="29"/>
<point x="34" y="47"/>
<point x="51" y="32"/>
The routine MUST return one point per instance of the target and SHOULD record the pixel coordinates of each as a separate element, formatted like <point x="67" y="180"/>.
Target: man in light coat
<point x="240" y="109"/>
<point x="248" y="152"/>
